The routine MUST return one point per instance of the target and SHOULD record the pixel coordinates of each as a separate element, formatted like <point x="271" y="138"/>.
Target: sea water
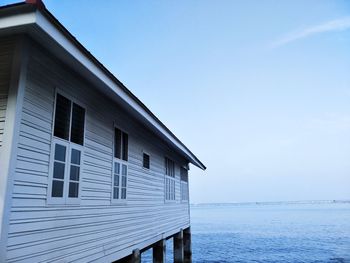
<point x="279" y="232"/>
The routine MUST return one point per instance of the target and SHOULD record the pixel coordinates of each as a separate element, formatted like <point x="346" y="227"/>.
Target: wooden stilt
<point x="159" y="252"/>
<point x="136" y="256"/>
<point x="178" y="248"/>
<point x="187" y="245"/>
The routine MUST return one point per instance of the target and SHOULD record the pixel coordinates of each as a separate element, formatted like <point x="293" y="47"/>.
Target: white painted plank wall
<point x="96" y="228"/>
<point x="6" y="54"/>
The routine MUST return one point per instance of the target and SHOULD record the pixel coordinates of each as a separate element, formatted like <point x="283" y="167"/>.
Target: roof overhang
<point x="40" y="24"/>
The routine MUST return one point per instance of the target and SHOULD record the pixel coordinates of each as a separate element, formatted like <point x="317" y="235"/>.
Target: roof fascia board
<point x="17" y="20"/>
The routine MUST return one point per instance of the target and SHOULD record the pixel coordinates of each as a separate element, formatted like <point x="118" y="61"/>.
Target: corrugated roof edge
<point x="27" y="7"/>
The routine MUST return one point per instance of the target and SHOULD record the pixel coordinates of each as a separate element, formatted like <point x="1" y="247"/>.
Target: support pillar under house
<point x="159" y="251"/>
<point x="178" y="247"/>
<point x="182" y="250"/>
<point x="136" y="256"/>
<point x="187" y="245"/>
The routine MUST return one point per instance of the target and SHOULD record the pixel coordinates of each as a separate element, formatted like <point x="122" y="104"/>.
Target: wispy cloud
<point x="334" y="25"/>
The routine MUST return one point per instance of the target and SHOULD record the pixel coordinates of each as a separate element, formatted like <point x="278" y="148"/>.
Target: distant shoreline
<point x="275" y="203"/>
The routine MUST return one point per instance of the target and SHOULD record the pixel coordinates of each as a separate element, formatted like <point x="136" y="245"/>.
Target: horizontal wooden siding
<point x="95" y="230"/>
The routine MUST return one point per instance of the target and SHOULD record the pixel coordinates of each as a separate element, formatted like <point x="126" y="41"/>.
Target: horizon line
<point x="277" y="202"/>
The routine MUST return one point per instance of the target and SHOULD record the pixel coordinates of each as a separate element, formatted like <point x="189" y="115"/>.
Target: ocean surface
<point x="279" y="232"/>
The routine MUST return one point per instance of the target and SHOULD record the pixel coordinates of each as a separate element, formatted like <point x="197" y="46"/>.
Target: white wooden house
<point x="87" y="172"/>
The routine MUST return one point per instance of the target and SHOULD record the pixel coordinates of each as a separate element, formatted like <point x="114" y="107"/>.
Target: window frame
<point x="186" y="183"/>
<point x="75" y="101"/>
<point x="149" y="156"/>
<point x="122" y="132"/>
<point x="75" y="200"/>
<point x="121" y="162"/>
<point x="65" y="200"/>
<point x="171" y="179"/>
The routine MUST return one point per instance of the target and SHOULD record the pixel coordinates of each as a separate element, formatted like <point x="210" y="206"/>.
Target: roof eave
<point x="17" y="15"/>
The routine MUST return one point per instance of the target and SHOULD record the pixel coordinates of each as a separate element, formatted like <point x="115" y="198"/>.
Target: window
<point x="59" y="170"/>
<point x="184" y="184"/>
<point x="119" y="180"/>
<point x="62" y="117"/>
<point x="146" y="161"/>
<point x="120" y="165"/>
<point x="66" y="151"/>
<point x="69" y="120"/>
<point x="169" y="167"/>
<point x="74" y="173"/>
<point x="169" y="179"/>
<point x="77" y="128"/>
<point x="120" y="145"/>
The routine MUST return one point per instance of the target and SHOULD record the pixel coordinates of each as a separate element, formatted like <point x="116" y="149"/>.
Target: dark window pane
<point x="116" y="180"/>
<point x="123" y="181"/>
<point x="123" y="193"/>
<point x="73" y="190"/>
<point x="78" y="121"/>
<point x="60" y="152"/>
<point x="124" y="169"/>
<point x="172" y="169"/>
<point x="75" y="158"/>
<point x="74" y="172"/>
<point x="116" y="168"/>
<point x="57" y="188"/>
<point x="62" y="117"/>
<point x="125" y="146"/>
<point x="58" y="170"/>
<point x="184" y="174"/>
<point x="166" y="166"/>
<point x="115" y="192"/>
<point x="146" y="161"/>
<point x="169" y="167"/>
<point x="117" y="143"/>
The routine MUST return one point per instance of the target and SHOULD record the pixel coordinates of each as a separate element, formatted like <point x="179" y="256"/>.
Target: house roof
<point x="34" y="19"/>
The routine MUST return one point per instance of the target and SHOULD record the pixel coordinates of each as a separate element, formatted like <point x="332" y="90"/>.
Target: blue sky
<point x="259" y="90"/>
